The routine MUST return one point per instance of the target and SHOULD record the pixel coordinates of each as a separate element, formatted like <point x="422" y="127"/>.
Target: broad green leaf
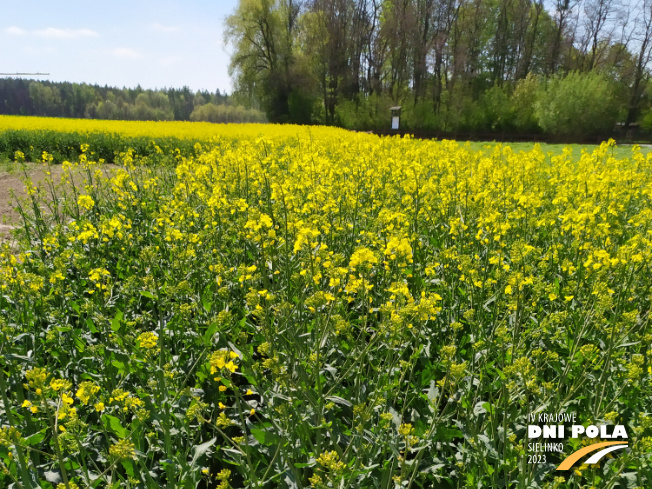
<point x="128" y="466"/>
<point x="265" y="437"/>
<point x="111" y="423"/>
<point x="210" y="332"/>
<point x="206" y="299"/>
<point x="147" y="294"/>
<point x="115" y="322"/>
<point x="36" y="438"/>
<point x="200" y="450"/>
<point x="91" y="326"/>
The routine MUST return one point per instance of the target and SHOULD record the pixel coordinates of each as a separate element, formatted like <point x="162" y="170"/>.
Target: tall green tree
<point x="263" y="33"/>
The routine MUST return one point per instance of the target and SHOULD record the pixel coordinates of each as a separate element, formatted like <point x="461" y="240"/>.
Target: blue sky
<point x="162" y="43"/>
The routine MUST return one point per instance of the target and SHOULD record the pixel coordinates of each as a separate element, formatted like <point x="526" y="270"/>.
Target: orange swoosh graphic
<point x="575" y="456"/>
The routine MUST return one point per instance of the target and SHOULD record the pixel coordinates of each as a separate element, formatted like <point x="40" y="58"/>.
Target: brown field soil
<point x="12" y="187"/>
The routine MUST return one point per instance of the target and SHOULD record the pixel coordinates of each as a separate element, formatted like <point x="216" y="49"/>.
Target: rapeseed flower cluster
<point x="147" y="340"/>
<point x="223" y="360"/>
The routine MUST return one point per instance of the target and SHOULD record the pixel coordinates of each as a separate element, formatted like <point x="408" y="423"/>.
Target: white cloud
<point x="165" y="28"/>
<point x="15" y="31"/>
<point x="54" y="33"/>
<point x="126" y="53"/>
<point x="169" y="60"/>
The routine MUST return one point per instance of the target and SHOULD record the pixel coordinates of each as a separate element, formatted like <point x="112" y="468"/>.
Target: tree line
<point x="80" y="100"/>
<point x="560" y="67"/>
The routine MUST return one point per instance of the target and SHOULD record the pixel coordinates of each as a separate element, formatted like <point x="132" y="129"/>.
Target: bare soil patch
<point x="11" y="184"/>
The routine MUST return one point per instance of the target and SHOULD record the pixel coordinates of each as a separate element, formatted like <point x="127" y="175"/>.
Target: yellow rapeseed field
<point x="204" y="131"/>
<point x="309" y="307"/>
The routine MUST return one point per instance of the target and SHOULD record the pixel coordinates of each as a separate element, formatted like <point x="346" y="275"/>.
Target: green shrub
<point x="225" y="113"/>
<point x="498" y="108"/>
<point x="421" y="116"/>
<point x="578" y="105"/>
<point x="523" y="100"/>
<point x="371" y="112"/>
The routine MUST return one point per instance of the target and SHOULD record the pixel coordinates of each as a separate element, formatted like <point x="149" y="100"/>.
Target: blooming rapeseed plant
<point x="315" y="306"/>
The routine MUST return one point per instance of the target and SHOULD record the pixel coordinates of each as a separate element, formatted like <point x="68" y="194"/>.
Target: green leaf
<point x="205" y="299"/>
<point x="339" y="400"/>
<point x="446" y="434"/>
<point x="433" y="391"/>
<point x="111" y="423"/>
<point x="200" y="450"/>
<point x="52" y="476"/>
<point x="36" y="438"/>
<point x="129" y="467"/>
<point x="148" y="294"/>
<point x="91" y="326"/>
<point x="210" y="332"/>
<point x="122" y="368"/>
<point x="115" y="322"/>
<point x="79" y="344"/>
<point x="265" y="437"/>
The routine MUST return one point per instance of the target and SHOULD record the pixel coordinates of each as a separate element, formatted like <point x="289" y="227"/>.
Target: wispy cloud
<point x="54" y="33"/>
<point x="127" y="53"/>
<point x="15" y="31"/>
<point x="165" y="28"/>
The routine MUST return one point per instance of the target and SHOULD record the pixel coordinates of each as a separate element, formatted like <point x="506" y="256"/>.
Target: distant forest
<point x="64" y="99"/>
<point x="560" y="67"/>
